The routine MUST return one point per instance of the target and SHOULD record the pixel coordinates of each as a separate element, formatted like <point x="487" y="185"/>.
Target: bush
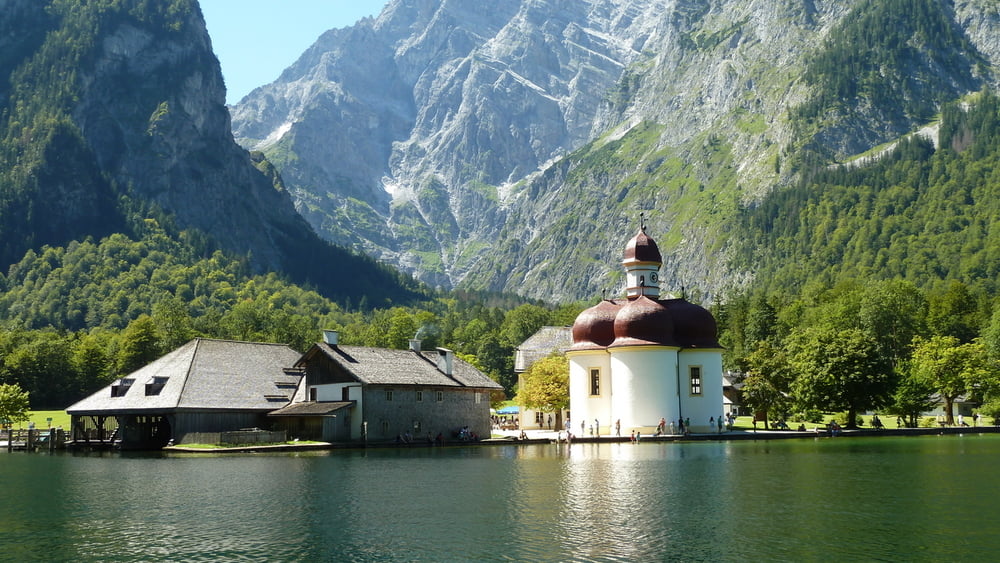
<point x="810" y="415"/>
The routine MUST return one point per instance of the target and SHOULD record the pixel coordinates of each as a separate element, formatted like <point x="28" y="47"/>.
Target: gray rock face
<point x="440" y="135"/>
<point x="152" y="109"/>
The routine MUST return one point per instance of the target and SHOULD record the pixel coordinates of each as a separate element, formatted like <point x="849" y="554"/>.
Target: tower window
<point x="388" y="394"/>
<point x="420" y="396"/>
<point x="595" y="382"/>
<point x="695" y="372"/>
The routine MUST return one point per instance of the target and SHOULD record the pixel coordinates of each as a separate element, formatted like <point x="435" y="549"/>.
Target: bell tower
<point x="642" y="265"/>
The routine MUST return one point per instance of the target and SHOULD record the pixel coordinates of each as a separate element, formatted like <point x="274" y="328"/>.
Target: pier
<point x="33" y="439"/>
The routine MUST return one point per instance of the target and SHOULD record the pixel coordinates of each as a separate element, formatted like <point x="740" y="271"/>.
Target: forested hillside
<point x="113" y="111"/>
<point x="493" y="161"/>
<point x="919" y="214"/>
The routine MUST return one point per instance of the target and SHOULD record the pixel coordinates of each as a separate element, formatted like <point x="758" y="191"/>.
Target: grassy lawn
<point x="40" y="418"/>
<point x="889" y="421"/>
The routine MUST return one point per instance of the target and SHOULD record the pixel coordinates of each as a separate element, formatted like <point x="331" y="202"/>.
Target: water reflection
<point x="826" y="499"/>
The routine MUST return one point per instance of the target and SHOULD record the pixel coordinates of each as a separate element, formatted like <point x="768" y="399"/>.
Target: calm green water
<point x="844" y="499"/>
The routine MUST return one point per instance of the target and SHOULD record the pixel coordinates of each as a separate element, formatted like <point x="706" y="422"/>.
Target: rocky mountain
<point x="511" y="148"/>
<point x="109" y="109"/>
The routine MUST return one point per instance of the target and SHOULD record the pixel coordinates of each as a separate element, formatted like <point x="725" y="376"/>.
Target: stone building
<point x="642" y="358"/>
<point x="359" y="393"/>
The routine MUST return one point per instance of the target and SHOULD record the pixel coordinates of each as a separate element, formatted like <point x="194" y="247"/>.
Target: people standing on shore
<point x="618" y="427"/>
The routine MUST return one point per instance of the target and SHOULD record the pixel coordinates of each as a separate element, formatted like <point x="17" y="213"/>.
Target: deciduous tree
<point x="545" y="385"/>
<point x="13" y="403"/>
<point x="768" y="381"/>
<point x="839" y="370"/>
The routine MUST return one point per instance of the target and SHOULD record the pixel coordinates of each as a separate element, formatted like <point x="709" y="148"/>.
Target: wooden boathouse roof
<point x="204" y="374"/>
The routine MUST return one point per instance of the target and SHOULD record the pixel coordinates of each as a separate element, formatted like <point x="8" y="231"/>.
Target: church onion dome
<point x="694" y="326"/>
<point x="594" y="328"/>
<point x="642" y="248"/>
<point x="644" y="322"/>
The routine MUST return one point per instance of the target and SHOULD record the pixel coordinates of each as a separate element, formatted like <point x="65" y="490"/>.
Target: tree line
<point x="881" y="345"/>
<point x="76" y="317"/>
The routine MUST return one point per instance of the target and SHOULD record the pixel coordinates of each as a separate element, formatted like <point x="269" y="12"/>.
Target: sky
<point x="257" y="39"/>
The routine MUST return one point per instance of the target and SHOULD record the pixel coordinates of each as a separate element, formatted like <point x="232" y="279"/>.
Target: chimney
<point x="445" y="360"/>
<point x="415" y="344"/>
<point x="331" y="337"/>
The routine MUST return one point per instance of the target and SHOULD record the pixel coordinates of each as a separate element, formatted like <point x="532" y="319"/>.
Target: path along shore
<point x="546" y="436"/>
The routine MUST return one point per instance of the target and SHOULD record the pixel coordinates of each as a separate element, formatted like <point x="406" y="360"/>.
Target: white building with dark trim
<point x="642" y="358"/>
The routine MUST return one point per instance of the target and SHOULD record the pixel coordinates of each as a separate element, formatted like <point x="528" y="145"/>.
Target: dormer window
<point x="155" y="385"/>
<point x="121" y="387"/>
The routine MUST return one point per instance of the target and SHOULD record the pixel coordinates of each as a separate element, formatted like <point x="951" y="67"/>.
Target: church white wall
<point x="700" y="408"/>
<point x="584" y="407"/>
<point x="644" y="379"/>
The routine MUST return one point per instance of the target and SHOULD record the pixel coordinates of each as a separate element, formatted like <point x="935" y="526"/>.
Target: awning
<point x="312" y="408"/>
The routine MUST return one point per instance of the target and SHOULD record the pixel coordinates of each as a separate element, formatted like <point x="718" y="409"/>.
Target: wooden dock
<point x="33" y="439"/>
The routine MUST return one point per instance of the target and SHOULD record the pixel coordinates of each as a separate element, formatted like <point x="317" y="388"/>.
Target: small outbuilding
<point x="546" y="341"/>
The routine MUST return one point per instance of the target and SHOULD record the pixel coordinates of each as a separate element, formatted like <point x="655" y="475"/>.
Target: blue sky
<point x="257" y="39"/>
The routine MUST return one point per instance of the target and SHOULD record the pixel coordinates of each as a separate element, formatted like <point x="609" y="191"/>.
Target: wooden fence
<point x="236" y="437"/>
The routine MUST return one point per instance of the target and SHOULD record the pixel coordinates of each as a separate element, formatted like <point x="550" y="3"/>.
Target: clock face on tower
<point x="652" y="277"/>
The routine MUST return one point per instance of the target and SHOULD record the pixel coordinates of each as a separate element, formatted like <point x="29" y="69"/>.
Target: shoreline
<point x="540" y="437"/>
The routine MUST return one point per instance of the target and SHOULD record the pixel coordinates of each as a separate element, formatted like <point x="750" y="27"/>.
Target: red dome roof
<point x="595" y="327"/>
<point x="644" y="322"/>
<point x="642" y="248"/>
<point x="694" y="326"/>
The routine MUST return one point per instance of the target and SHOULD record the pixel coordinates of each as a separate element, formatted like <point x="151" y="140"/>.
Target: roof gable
<point x="203" y="374"/>
<point x="383" y="366"/>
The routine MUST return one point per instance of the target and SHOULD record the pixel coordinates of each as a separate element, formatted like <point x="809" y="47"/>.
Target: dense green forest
<point x="891" y="265"/>
<point x="924" y="215"/>
<point x="76" y="317"/>
<point x="891" y="62"/>
<point x="71" y="168"/>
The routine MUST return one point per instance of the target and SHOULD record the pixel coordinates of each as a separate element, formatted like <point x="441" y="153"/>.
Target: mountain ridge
<point x="458" y="197"/>
<point x="113" y="110"/>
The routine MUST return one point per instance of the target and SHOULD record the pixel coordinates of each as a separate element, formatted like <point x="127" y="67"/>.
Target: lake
<point x="842" y="499"/>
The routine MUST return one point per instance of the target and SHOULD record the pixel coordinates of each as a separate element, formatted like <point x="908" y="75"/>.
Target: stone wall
<point x="418" y="410"/>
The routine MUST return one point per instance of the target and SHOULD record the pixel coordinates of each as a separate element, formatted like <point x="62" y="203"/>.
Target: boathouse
<point x="360" y="393"/>
<point x="205" y="386"/>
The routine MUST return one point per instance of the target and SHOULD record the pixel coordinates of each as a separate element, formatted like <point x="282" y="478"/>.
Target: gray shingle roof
<point x="205" y="374"/>
<point x="546" y="340"/>
<point x="381" y="366"/>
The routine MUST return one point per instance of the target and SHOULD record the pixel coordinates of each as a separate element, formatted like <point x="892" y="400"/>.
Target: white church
<point x="642" y="358"/>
